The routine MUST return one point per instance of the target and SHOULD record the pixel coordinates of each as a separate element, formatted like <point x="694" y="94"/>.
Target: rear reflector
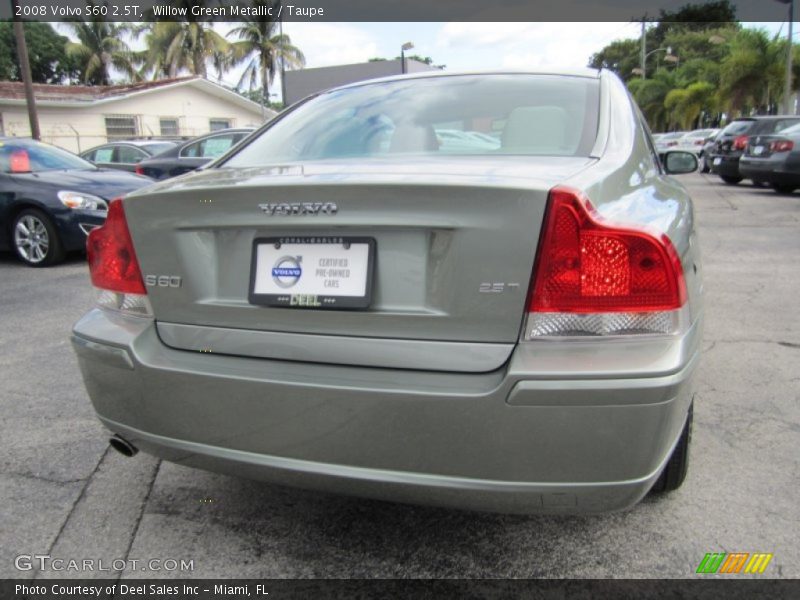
<point x="629" y="279"/>
<point x="112" y="260"/>
<point x="139" y="169"/>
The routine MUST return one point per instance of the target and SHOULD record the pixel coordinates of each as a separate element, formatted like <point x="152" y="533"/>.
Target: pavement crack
<point x="74" y="506"/>
<point x="139" y="518"/>
<point x="789" y="344"/>
<point x="36" y="477"/>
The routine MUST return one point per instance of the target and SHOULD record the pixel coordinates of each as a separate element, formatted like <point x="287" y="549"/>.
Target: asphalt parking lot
<point x="63" y="493"/>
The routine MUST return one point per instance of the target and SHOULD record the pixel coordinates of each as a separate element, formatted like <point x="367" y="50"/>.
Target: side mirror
<point x="677" y="162"/>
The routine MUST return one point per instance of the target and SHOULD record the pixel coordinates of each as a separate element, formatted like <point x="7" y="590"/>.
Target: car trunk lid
<point x="454" y="240"/>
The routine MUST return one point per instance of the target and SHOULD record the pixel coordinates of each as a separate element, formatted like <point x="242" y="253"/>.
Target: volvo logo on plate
<point x="287" y="271"/>
<point x="286" y="209"/>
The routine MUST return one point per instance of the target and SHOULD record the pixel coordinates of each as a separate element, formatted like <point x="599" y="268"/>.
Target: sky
<point x="459" y="46"/>
<point x="462" y="46"/>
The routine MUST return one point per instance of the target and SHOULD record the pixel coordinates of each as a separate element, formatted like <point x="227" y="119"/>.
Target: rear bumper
<point x="782" y="173"/>
<point x="728" y="166"/>
<point x="560" y="428"/>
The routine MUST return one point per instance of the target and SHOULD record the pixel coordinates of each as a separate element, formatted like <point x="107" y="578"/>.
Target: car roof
<point x="578" y="72"/>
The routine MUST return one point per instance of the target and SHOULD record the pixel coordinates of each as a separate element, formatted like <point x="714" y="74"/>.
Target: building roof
<point x="13" y="92"/>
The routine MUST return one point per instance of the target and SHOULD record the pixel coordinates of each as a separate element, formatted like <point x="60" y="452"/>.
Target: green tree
<point x="100" y="47"/>
<point x="49" y="64"/>
<point x="693" y="17"/>
<point x="650" y="95"/>
<point x="264" y="50"/>
<point x="684" y="105"/>
<point x="751" y="75"/>
<point x="175" y="47"/>
<point x="620" y="56"/>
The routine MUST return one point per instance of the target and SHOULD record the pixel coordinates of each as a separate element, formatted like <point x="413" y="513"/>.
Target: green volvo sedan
<point x="351" y="301"/>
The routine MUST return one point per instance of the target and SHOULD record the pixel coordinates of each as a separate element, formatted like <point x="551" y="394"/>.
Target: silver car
<point x="342" y="303"/>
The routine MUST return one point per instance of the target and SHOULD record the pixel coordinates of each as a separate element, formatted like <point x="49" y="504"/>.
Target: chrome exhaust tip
<point x="123" y="446"/>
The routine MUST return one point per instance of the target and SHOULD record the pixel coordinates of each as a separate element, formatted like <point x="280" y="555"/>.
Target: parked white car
<point x="695" y="141"/>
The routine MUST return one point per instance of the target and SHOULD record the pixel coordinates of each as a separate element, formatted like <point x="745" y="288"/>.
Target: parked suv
<point x="732" y="142"/>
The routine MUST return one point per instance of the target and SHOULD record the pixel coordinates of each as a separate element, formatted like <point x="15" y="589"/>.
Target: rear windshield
<point x="773" y="125"/>
<point x="456" y="115"/>
<point x="737" y="127"/>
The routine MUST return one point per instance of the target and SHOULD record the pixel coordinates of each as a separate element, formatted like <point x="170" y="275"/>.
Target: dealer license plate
<point x="312" y="272"/>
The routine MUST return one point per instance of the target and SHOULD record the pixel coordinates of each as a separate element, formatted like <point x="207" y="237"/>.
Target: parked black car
<point x="50" y="199"/>
<point x="774" y="158"/>
<point x="192" y="154"/>
<point x="732" y="142"/>
<point x="125" y="155"/>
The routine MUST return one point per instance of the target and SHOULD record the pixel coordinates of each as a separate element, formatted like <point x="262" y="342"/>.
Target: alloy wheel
<point x="31" y="239"/>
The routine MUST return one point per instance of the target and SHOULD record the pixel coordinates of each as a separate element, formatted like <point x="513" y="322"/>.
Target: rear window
<point x="773" y="125"/>
<point x="737" y="127"/>
<point x="455" y="115"/>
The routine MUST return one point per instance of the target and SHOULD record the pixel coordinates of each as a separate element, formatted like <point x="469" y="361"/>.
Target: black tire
<point x="674" y="473"/>
<point x="782" y="188"/>
<point x="730" y="180"/>
<point x="48" y="249"/>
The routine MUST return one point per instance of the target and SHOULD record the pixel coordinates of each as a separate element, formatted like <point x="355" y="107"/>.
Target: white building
<point x="77" y="117"/>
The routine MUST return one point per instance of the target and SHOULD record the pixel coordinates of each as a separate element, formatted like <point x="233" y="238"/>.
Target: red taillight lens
<point x="586" y="265"/>
<point x="781" y="146"/>
<point x="740" y="143"/>
<point x="139" y="169"/>
<point x="699" y="142"/>
<point x="112" y="260"/>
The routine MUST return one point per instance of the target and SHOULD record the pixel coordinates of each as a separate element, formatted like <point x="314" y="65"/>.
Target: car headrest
<point x="414" y="138"/>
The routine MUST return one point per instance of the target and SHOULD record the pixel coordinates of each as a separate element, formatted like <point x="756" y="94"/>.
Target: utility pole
<point x="283" y="66"/>
<point x="787" y="90"/>
<point x="643" y="59"/>
<point x="25" y="73"/>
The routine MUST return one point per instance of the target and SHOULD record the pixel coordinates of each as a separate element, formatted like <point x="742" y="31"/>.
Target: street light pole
<point x="643" y="59"/>
<point x="403" y="48"/>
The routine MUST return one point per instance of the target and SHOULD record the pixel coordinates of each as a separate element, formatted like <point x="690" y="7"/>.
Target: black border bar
<point x="735" y="587"/>
<point x="376" y="10"/>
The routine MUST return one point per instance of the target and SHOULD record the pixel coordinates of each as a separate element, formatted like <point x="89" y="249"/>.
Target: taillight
<point x="670" y="144"/>
<point x="781" y="146"/>
<point x="139" y="170"/>
<point x="699" y="142"/>
<point x="740" y="143"/>
<point x="113" y="266"/>
<point x="596" y="277"/>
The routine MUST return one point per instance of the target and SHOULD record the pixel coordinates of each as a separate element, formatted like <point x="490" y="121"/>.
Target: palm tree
<point x="101" y="47"/>
<point x="751" y="74"/>
<point x="651" y="93"/>
<point x="174" y="47"/>
<point x="686" y="104"/>
<point x="265" y="50"/>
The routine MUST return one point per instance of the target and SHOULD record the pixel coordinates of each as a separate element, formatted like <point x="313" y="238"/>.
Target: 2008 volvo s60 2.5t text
<point x="350" y="301"/>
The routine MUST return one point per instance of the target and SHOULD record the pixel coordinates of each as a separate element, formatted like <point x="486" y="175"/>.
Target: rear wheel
<point x="674" y="473"/>
<point x="730" y="180"/>
<point x="36" y="240"/>
<point x="783" y="188"/>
